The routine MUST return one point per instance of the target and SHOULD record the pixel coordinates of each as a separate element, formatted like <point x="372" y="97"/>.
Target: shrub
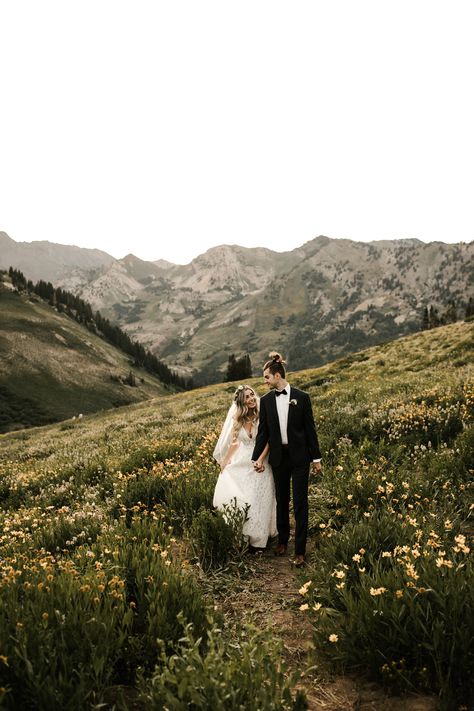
<point x="215" y="675"/>
<point x="216" y="536"/>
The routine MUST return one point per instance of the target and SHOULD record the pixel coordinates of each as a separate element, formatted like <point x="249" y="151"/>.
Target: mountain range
<point x="313" y="303"/>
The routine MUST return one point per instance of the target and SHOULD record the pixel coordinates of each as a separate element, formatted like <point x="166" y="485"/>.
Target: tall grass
<point x="103" y="522"/>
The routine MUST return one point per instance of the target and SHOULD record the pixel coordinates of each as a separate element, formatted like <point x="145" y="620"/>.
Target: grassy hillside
<point x="109" y="542"/>
<point x="54" y="368"/>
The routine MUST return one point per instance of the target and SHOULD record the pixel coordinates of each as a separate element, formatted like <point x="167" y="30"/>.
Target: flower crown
<point x="238" y="391"/>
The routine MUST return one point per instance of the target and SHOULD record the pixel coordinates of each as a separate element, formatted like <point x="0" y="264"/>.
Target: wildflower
<point x="461" y="545"/>
<point x="304" y="607"/>
<point x="377" y="591"/>
<point x="440" y="562"/>
<point x="339" y="574"/>
<point x="399" y="593"/>
<point x="411" y="572"/>
<point x="386" y="554"/>
<point x="4" y="659"/>
<point x="45" y="615"/>
<point x="333" y="638"/>
<point x="356" y="557"/>
<point x="317" y="606"/>
<point x="304" y="589"/>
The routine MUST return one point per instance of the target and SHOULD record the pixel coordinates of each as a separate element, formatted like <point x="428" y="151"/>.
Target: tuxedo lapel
<point x="290" y="409"/>
<point x="273" y="410"/>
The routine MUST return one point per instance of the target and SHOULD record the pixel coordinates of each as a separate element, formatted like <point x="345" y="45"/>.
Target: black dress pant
<point x="283" y="474"/>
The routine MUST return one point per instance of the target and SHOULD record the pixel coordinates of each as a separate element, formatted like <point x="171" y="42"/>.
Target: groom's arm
<point x="310" y="430"/>
<point x="262" y="433"/>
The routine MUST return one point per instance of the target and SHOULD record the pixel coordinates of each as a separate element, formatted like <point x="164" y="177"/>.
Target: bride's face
<point x="250" y="399"/>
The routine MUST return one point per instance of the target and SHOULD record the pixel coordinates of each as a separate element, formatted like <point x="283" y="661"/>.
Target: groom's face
<point x="272" y="381"/>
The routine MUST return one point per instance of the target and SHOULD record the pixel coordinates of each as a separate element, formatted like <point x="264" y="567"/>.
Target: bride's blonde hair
<point x="242" y="411"/>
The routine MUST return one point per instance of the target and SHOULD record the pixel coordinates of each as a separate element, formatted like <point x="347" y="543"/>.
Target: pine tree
<point x="470" y="308"/>
<point x="238" y="368"/>
<point x="450" y="315"/>
<point x="434" y="317"/>
<point x="425" y="321"/>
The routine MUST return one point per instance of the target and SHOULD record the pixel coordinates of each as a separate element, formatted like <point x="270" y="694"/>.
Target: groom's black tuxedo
<point x="291" y="461"/>
<point x="303" y="444"/>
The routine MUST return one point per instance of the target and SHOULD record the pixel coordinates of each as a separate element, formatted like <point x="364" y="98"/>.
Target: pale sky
<point x="167" y="128"/>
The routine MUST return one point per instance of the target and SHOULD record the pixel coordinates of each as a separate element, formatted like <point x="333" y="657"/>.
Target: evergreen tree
<point x="425" y="321"/>
<point x="450" y="315"/>
<point x="238" y="368"/>
<point x="470" y="308"/>
<point x="230" y="374"/>
<point x="434" y="317"/>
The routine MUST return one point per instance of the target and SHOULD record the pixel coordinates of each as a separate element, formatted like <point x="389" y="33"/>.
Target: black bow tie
<point x="280" y="392"/>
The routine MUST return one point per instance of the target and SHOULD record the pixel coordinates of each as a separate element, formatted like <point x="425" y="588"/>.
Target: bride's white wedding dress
<point x="240" y="483"/>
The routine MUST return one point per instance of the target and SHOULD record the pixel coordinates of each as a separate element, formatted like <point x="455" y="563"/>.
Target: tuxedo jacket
<point x="303" y="445"/>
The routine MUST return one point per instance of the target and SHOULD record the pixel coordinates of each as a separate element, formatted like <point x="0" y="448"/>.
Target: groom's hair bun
<point x="276" y="358"/>
<point x="276" y="364"/>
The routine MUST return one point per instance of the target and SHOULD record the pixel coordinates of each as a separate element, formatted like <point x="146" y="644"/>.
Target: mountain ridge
<point x="315" y="303"/>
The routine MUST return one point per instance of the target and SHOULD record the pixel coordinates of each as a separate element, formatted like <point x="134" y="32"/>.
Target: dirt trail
<point x="271" y="600"/>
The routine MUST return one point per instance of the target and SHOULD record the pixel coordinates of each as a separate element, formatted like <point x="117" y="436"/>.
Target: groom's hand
<point x="316" y="467"/>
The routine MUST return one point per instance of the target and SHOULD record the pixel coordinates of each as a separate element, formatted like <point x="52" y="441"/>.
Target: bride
<point x="239" y="484"/>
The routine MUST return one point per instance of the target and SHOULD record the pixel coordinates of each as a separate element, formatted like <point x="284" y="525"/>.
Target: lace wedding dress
<point x="240" y="483"/>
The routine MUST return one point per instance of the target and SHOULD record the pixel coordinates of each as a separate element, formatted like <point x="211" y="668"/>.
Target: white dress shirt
<point x="283" y="404"/>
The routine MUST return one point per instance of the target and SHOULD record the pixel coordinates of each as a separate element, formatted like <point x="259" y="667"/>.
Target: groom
<point x="287" y="423"/>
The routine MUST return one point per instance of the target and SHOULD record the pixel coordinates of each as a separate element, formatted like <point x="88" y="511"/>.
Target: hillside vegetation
<point x="53" y="368"/>
<point x="109" y="543"/>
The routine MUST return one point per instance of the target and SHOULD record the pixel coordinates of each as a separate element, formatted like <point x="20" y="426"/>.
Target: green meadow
<point x="112" y="561"/>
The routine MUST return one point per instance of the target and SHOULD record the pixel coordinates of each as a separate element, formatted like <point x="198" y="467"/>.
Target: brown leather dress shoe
<point x="299" y="561"/>
<point x="280" y="549"/>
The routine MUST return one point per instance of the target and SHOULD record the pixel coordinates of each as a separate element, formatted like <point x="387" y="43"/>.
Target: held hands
<point x="259" y="466"/>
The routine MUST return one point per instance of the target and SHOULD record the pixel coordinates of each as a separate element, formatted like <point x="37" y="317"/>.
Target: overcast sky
<point x="166" y="128"/>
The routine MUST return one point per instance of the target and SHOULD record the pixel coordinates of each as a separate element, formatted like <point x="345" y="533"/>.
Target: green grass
<point x="97" y="516"/>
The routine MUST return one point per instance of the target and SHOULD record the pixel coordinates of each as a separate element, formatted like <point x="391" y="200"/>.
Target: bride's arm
<point x="229" y="455"/>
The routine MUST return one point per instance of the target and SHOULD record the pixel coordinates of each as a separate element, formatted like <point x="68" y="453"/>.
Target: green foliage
<point x="210" y="674"/>
<point x="71" y="627"/>
<point x="216" y="536"/>
<point x="392" y="587"/>
<point x="101" y="525"/>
